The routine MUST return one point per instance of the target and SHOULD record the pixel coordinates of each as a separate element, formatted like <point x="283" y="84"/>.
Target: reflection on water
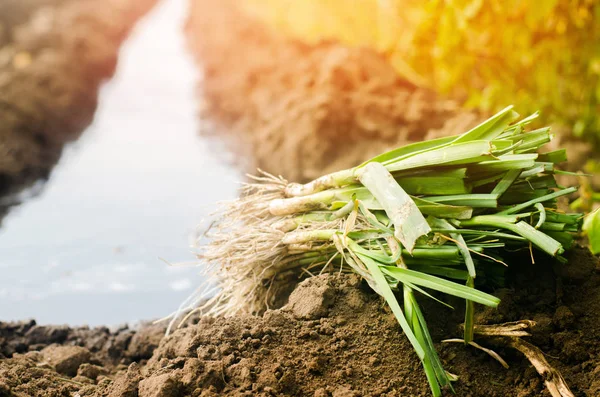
<point x="131" y="190"/>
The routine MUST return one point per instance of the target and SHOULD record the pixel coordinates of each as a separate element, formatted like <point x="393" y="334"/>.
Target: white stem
<point x="307" y="236"/>
<point x="336" y="179"/>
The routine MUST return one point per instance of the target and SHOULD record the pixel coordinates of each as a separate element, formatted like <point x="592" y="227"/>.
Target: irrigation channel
<point x="84" y="248"/>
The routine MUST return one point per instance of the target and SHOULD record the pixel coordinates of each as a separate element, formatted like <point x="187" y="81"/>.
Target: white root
<point x="490" y="352"/>
<point x="249" y="255"/>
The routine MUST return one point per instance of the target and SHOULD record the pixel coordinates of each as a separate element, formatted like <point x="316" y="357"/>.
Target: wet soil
<point x="334" y="337"/>
<point x="53" y="56"/>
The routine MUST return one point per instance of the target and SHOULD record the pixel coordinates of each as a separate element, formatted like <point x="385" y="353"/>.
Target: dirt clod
<point x="144" y="341"/>
<point x="43" y="335"/>
<point x="165" y="385"/>
<point x="66" y="359"/>
<point x="312" y="299"/>
<point x="125" y="385"/>
<point x="563" y="317"/>
<point x="91" y="371"/>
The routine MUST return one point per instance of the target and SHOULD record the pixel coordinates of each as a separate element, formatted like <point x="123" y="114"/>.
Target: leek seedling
<point x="432" y="215"/>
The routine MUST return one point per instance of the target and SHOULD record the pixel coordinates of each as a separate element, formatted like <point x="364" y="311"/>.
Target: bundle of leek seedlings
<point x="427" y="216"/>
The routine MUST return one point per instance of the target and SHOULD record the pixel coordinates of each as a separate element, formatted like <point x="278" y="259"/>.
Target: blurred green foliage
<point x="542" y="54"/>
<point x="591" y="227"/>
<point x="536" y="54"/>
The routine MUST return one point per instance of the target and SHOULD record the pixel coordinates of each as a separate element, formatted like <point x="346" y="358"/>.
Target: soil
<point x="53" y="56"/>
<point x="301" y="111"/>
<point x="38" y="360"/>
<point x="334" y="337"/>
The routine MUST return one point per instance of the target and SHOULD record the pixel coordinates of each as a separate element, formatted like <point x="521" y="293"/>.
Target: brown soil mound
<point x="334" y="337"/>
<point x="302" y="110"/>
<point x="53" y="56"/>
<point x="299" y="110"/>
